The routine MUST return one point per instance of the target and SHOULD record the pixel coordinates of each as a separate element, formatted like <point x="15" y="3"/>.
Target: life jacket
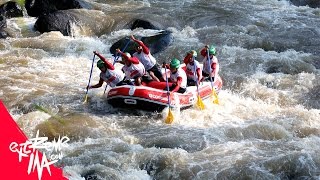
<point x="116" y="75"/>
<point x="191" y="70"/>
<point x="134" y="70"/>
<point x="146" y="59"/>
<point x="207" y="66"/>
<point x="180" y="73"/>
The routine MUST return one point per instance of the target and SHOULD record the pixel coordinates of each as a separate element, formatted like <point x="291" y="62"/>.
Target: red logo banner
<point x="19" y="159"/>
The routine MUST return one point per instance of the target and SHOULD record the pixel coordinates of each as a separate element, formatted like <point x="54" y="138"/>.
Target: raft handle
<point x="130" y="101"/>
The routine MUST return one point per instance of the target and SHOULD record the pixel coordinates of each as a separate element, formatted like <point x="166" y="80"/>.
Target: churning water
<point x="267" y="125"/>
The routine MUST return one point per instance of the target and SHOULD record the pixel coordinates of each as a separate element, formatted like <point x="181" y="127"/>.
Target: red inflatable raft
<point x="153" y="97"/>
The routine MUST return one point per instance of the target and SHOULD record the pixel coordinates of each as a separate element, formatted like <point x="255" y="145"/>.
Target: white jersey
<point x="134" y="70"/>
<point x="146" y="59"/>
<point x="116" y="75"/>
<point x="191" y="70"/>
<point x="207" y="66"/>
<point x="180" y="73"/>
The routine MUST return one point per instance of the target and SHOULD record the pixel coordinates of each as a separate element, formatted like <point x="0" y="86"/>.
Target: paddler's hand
<point x="118" y="51"/>
<point x="169" y="93"/>
<point x="164" y="64"/>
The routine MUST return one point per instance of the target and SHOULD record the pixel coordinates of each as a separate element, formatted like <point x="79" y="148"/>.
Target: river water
<point x="267" y="125"/>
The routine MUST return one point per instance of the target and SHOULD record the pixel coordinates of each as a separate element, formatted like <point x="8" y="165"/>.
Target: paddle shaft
<point x="209" y="61"/>
<point x="90" y="74"/>
<point x="213" y="90"/>
<point x="195" y="74"/>
<point x="167" y="84"/>
<point x="170" y="117"/>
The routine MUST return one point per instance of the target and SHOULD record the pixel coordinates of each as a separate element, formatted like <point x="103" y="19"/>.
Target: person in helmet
<point x="149" y="62"/>
<point x="178" y="76"/>
<point x="108" y="73"/>
<point x="133" y="68"/>
<point x="210" y="63"/>
<point x="193" y="69"/>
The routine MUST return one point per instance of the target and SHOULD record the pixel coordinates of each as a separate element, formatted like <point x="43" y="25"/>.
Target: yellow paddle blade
<point x="169" y="118"/>
<point x="216" y="100"/>
<point x="85" y="99"/>
<point x="200" y="103"/>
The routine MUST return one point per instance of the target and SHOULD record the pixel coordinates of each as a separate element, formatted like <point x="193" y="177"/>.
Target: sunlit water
<point x="267" y="125"/>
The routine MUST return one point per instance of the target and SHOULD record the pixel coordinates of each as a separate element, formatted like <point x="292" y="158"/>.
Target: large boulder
<point x="73" y="22"/>
<point x="156" y="43"/>
<point x="11" y="9"/>
<point x="36" y="8"/>
<point x="139" y="23"/>
<point x="56" y="21"/>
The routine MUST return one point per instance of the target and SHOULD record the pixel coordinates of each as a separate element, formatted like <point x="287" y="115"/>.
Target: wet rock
<point x="3" y="34"/>
<point x="11" y="9"/>
<point x="288" y="67"/>
<point x="166" y="142"/>
<point x="74" y="126"/>
<point x="56" y="21"/>
<point x="274" y="69"/>
<point x="36" y="8"/>
<point x="310" y="3"/>
<point x="172" y="142"/>
<point x="159" y="42"/>
<point x="156" y="165"/>
<point x="75" y="21"/>
<point x="90" y="175"/>
<point x="3" y="24"/>
<point x="155" y="43"/>
<point x="139" y="23"/>
<point x="101" y="173"/>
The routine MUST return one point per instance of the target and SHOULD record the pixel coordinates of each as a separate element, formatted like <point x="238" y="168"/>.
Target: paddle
<point x="116" y="57"/>
<point x="199" y="100"/>
<point x="86" y="97"/>
<point x="214" y="94"/>
<point x="170" y="117"/>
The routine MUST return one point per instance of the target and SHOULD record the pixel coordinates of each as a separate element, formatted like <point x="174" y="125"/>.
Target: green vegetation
<point x="20" y="2"/>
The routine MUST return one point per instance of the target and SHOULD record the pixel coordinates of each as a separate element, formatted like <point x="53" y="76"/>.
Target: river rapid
<point x="267" y="125"/>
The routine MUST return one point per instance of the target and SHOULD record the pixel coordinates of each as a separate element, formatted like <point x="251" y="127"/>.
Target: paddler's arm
<point x="106" y="62"/>
<point x="178" y="84"/>
<point x="133" y="60"/>
<point x="198" y="74"/>
<point x="145" y="49"/>
<point x="96" y="85"/>
<point x="153" y="76"/>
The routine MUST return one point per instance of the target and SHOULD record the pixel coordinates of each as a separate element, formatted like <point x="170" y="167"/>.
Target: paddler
<point x="108" y="73"/>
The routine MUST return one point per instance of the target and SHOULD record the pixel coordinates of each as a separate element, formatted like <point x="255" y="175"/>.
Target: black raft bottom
<point x="136" y="104"/>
